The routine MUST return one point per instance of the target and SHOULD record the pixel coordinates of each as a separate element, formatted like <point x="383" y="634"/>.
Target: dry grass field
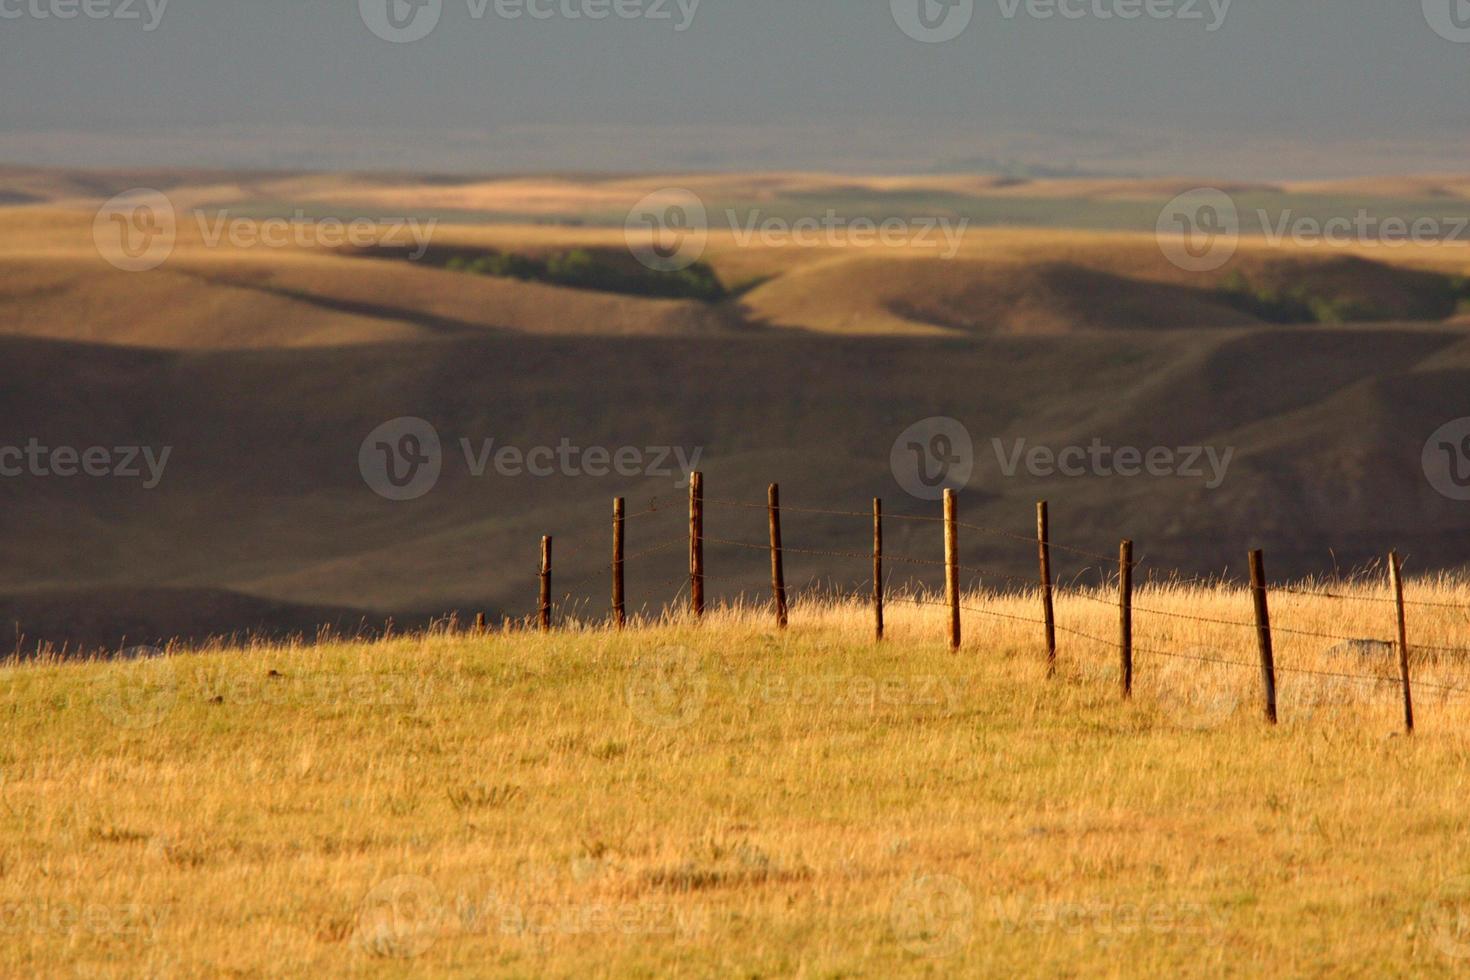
<point x="1000" y="282"/>
<point x="723" y="799"/>
<point x="1031" y="257"/>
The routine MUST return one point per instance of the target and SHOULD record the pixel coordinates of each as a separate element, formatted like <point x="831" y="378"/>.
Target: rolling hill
<point x="264" y="371"/>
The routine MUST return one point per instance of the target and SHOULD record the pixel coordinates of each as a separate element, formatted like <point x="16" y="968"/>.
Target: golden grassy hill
<point x="266" y="369"/>
<point x="701" y="799"/>
<point x="53" y="283"/>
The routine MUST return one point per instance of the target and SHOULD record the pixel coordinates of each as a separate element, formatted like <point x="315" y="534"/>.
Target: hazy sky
<point x="1291" y="86"/>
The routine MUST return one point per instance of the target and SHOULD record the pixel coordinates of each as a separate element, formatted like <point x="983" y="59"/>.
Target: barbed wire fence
<point x="688" y="591"/>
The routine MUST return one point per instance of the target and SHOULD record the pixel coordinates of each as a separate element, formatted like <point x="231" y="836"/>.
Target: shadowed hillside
<point x="877" y="295"/>
<point x="263" y="494"/>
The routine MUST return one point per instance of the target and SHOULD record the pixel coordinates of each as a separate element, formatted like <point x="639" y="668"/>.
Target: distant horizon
<point x="1229" y="89"/>
<point x="615" y="151"/>
<point x="584" y="175"/>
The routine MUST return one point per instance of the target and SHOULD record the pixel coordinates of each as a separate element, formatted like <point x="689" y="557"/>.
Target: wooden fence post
<point x="546" y="584"/>
<point x="952" y="565"/>
<point x="1043" y="546"/>
<point x="619" y="611"/>
<point x="696" y="544"/>
<point x="1125" y="615"/>
<point x="1263" y="632"/>
<point x="878" y="568"/>
<point x="1396" y="575"/>
<point x="778" y="571"/>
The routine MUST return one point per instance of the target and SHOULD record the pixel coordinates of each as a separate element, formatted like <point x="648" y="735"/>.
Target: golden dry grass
<point x="54" y="284"/>
<point x="725" y="800"/>
<point x="559" y="194"/>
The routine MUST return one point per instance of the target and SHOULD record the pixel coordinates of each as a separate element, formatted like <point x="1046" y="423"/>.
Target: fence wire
<point x="1287" y="590"/>
<point x="1028" y="585"/>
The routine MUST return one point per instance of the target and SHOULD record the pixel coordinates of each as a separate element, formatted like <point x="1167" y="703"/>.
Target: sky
<point x="1258" y="88"/>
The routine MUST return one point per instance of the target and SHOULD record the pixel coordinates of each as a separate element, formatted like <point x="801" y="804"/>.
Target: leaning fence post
<point x="878" y="567"/>
<point x="1396" y="576"/>
<point x="619" y="611"/>
<point x="1263" y="632"/>
<point x="1125" y="615"/>
<point x="778" y="572"/>
<point x="696" y="543"/>
<point x="1043" y="547"/>
<point x="545" y="584"/>
<point x="952" y="565"/>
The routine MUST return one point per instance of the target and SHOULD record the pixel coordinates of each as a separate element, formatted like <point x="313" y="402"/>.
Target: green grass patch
<point x="1307" y="302"/>
<point x="582" y="268"/>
